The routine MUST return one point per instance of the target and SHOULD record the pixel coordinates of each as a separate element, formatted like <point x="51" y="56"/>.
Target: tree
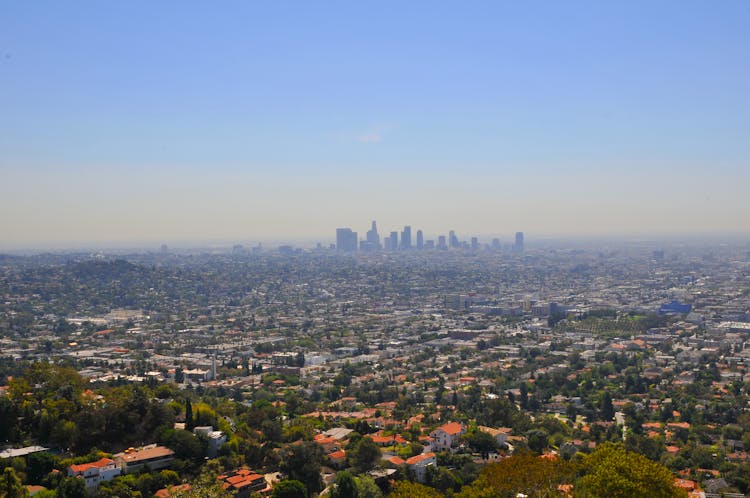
<point x="406" y="489"/>
<point x="39" y="465"/>
<point x="538" y="440"/>
<point x="289" y="489"/>
<point x="345" y="487"/>
<point x="367" y="488"/>
<point x="188" y="414"/>
<point x="482" y="442"/>
<point x="72" y="487"/>
<point x="524" y="401"/>
<point x="616" y="473"/>
<point x="364" y="454"/>
<point x="206" y="485"/>
<point x="523" y="473"/>
<point x="11" y="486"/>
<point x="302" y="462"/>
<point x="606" y="406"/>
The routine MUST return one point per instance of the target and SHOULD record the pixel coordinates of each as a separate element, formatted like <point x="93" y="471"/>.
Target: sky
<point x="176" y="120"/>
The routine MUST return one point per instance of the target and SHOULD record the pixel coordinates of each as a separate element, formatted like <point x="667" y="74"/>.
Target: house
<point x="501" y="434"/>
<point x="244" y="482"/>
<point x="418" y="464"/>
<point x="216" y="439"/>
<point x="388" y="440"/>
<point x="93" y="473"/>
<point x="447" y="435"/>
<point x="338" y="459"/>
<point x="153" y="456"/>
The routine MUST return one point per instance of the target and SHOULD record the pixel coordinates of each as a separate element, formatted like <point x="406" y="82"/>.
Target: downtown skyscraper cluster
<point x="348" y="241"/>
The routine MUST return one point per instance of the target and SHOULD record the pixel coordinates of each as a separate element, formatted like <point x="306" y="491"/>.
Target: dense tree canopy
<point x="616" y="473"/>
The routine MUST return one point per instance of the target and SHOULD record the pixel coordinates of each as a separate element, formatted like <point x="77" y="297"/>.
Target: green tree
<point x="606" y="406"/>
<point x="364" y="454"/>
<point x="523" y="473"/>
<point x="345" y="487"/>
<point x="406" y="489"/>
<point x="188" y="414"/>
<point x="72" y="487"/>
<point x="39" y="465"/>
<point x="11" y="486"/>
<point x="289" y="489"/>
<point x="367" y="488"/>
<point x="206" y="485"/>
<point x="613" y="472"/>
<point x="482" y="442"/>
<point x="302" y="462"/>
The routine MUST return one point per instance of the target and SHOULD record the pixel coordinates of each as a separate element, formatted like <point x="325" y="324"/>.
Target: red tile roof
<point x="83" y="467"/>
<point x="419" y="458"/>
<point x="451" y="428"/>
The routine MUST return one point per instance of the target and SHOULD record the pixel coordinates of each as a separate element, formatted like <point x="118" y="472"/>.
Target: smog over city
<point x="374" y="249"/>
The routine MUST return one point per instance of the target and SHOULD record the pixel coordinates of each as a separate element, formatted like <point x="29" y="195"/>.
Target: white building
<point x="447" y="435"/>
<point x="216" y="439"/>
<point x="95" y="472"/>
<point x="420" y="463"/>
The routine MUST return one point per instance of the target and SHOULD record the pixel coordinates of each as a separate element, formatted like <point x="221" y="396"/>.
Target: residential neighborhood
<point x="149" y="372"/>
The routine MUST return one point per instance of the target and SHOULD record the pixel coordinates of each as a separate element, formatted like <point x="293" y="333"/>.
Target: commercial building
<point x="153" y="456"/>
<point x="346" y="240"/>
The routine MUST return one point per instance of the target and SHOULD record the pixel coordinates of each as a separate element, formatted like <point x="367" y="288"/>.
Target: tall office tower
<point x="372" y="240"/>
<point x="474" y="243"/>
<point x="346" y="240"/>
<point x="394" y="241"/>
<point x="495" y="244"/>
<point x="420" y="239"/>
<point x="452" y="239"/>
<point x="387" y="243"/>
<point x="441" y="242"/>
<point x="518" y="246"/>
<point x="406" y="238"/>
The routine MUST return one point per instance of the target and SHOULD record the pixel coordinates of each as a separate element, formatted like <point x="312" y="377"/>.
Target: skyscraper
<point x="420" y="239"/>
<point x="518" y="246"/>
<point x="372" y="240"/>
<point x="441" y="242"/>
<point x="452" y="239"/>
<point x="406" y="238"/>
<point x="394" y="241"/>
<point x="346" y="240"/>
<point x="474" y="243"/>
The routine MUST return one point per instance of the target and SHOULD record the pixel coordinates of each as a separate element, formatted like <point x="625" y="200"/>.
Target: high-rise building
<point x="372" y="240"/>
<point x="394" y="241"/>
<point x="346" y="240"/>
<point x="518" y="246"/>
<point x="441" y="242"/>
<point x="453" y="240"/>
<point x="406" y="238"/>
<point x="420" y="239"/>
<point x="495" y="244"/>
<point x="474" y="244"/>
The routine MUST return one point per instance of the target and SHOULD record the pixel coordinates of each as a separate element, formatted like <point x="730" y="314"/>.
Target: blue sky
<point x="151" y="121"/>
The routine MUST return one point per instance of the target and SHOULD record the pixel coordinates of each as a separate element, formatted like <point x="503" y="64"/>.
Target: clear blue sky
<point x="246" y="120"/>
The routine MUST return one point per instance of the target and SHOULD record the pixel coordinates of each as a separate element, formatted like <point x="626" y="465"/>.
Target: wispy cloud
<point x="370" y="137"/>
<point x="373" y="135"/>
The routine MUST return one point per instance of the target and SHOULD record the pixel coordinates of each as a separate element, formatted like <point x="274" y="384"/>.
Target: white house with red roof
<point x="93" y="473"/>
<point x="420" y="463"/>
<point x="447" y="435"/>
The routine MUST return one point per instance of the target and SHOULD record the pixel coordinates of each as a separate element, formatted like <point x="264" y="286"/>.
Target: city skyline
<point x="347" y="240"/>
<point x="273" y="122"/>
